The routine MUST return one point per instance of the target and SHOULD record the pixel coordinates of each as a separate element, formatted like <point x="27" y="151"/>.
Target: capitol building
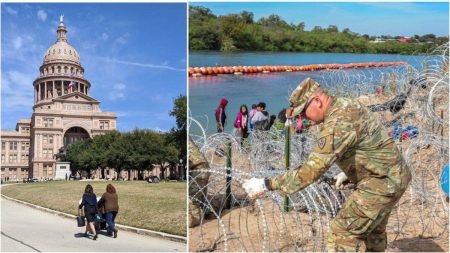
<point x="63" y="113"/>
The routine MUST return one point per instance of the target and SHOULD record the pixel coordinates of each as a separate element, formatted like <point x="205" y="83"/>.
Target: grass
<point x="160" y="207"/>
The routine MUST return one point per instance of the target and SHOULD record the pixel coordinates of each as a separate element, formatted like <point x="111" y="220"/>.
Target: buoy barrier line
<point x="204" y="71"/>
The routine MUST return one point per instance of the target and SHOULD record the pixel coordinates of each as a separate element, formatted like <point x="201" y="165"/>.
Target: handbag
<point x="81" y="219"/>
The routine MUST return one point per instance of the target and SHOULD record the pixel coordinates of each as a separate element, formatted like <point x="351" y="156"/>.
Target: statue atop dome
<point x="61" y="18"/>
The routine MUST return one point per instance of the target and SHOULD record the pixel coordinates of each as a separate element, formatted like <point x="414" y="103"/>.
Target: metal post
<point x="229" y="178"/>
<point x="400" y="130"/>
<point x="442" y="134"/>
<point x="287" y="151"/>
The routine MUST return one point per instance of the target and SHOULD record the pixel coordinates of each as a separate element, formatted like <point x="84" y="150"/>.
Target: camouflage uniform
<point x="356" y="141"/>
<point x="197" y="187"/>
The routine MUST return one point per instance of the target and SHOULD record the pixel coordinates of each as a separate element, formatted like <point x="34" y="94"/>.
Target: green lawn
<point x="160" y="207"/>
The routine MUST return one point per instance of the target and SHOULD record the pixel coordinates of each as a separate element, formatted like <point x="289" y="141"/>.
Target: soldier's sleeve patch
<point x="325" y="142"/>
<point x="322" y="142"/>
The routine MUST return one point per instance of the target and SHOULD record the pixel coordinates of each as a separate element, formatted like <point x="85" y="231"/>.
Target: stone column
<point x="45" y="90"/>
<point x="54" y="89"/>
<point x="39" y="92"/>
<point x="35" y="94"/>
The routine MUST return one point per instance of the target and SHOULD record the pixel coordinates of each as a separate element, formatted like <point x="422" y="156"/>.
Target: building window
<point x="13" y="158"/>
<point x="47" y="138"/>
<point x="48" y="122"/>
<point x="47" y="153"/>
<point x="104" y="124"/>
<point x="25" y="129"/>
<point x="13" y="145"/>
<point x="47" y="170"/>
<point x="24" y="158"/>
<point x="3" y="145"/>
<point x="25" y="146"/>
<point x="24" y="173"/>
<point x="3" y="158"/>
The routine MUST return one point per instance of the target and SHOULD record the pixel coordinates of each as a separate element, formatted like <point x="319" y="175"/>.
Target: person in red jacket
<point x="220" y="115"/>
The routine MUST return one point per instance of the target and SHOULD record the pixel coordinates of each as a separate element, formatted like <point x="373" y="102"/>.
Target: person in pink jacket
<point x="241" y="122"/>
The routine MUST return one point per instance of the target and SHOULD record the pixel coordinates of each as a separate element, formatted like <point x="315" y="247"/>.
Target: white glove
<point x="340" y="179"/>
<point x="254" y="187"/>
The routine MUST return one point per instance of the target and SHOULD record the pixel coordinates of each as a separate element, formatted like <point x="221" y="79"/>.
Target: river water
<point x="273" y="88"/>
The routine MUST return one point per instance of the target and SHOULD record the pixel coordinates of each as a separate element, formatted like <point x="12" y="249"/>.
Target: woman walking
<point x="89" y="201"/>
<point x="110" y="202"/>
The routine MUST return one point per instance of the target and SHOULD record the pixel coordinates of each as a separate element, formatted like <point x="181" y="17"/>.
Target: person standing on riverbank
<point x="221" y="116"/>
<point x="241" y="123"/>
<point x="354" y="139"/>
<point x="261" y="119"/>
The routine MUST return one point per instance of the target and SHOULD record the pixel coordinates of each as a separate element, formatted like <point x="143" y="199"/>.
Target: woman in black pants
<point x="89" y="201"/>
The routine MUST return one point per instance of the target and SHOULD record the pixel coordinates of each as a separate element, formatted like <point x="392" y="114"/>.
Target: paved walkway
<point x="24" y="228"/>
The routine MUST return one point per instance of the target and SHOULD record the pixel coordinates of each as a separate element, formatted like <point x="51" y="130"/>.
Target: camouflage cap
<point x="301" y="94"/>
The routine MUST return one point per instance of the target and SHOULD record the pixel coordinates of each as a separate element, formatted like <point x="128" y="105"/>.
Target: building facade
<point x="63" y="113"/>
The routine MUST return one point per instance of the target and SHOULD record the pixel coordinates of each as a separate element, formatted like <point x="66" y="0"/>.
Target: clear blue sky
<point x="134" y="55"/>
<point x="402" y="18"/>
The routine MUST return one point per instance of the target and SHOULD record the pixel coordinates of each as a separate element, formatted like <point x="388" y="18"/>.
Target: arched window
<point x="65" y="69"/>
<point x="59" y="69"/>
<point x="53" y="70"/>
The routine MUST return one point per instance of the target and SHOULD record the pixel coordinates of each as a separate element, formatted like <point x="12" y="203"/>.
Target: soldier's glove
<point x="340" y="178"/>
<point x="254" y="187"/>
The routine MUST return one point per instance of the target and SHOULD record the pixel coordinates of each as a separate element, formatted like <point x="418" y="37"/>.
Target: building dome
<point x="61" y="51"/>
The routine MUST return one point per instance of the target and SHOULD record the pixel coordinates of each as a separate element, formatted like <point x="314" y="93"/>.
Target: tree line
<point x="241" y="32"/>
<point x="140" y="149"/>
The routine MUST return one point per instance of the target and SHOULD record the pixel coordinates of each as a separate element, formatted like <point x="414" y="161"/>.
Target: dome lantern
<point x="62" y="31"/>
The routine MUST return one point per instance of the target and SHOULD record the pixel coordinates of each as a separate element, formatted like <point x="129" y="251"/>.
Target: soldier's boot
<point x="376" y="241"/>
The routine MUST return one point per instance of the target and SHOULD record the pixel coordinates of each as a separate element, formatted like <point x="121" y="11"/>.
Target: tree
<point x="179" y="111"/>
<point x="247" y="17"/>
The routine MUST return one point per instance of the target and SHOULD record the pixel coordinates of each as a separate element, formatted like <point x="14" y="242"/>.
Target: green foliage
<point x="239" y="32"/>
<point x="179" y="134"/>
<point x="139" y="150"/>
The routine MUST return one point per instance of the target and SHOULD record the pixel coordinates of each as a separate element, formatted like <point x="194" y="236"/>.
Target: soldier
<point x="197" y="188"/>
<point x="354" y="139"/>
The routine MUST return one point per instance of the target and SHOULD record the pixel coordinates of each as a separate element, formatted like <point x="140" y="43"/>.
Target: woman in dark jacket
<point x="110" y="203"/>
<point x="89" y="201"/>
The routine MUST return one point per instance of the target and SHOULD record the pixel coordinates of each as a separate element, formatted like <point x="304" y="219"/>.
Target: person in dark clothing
<point x="220" y="115"/>
<point x="110" y="203"/>
<point x="89" y="201"/>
